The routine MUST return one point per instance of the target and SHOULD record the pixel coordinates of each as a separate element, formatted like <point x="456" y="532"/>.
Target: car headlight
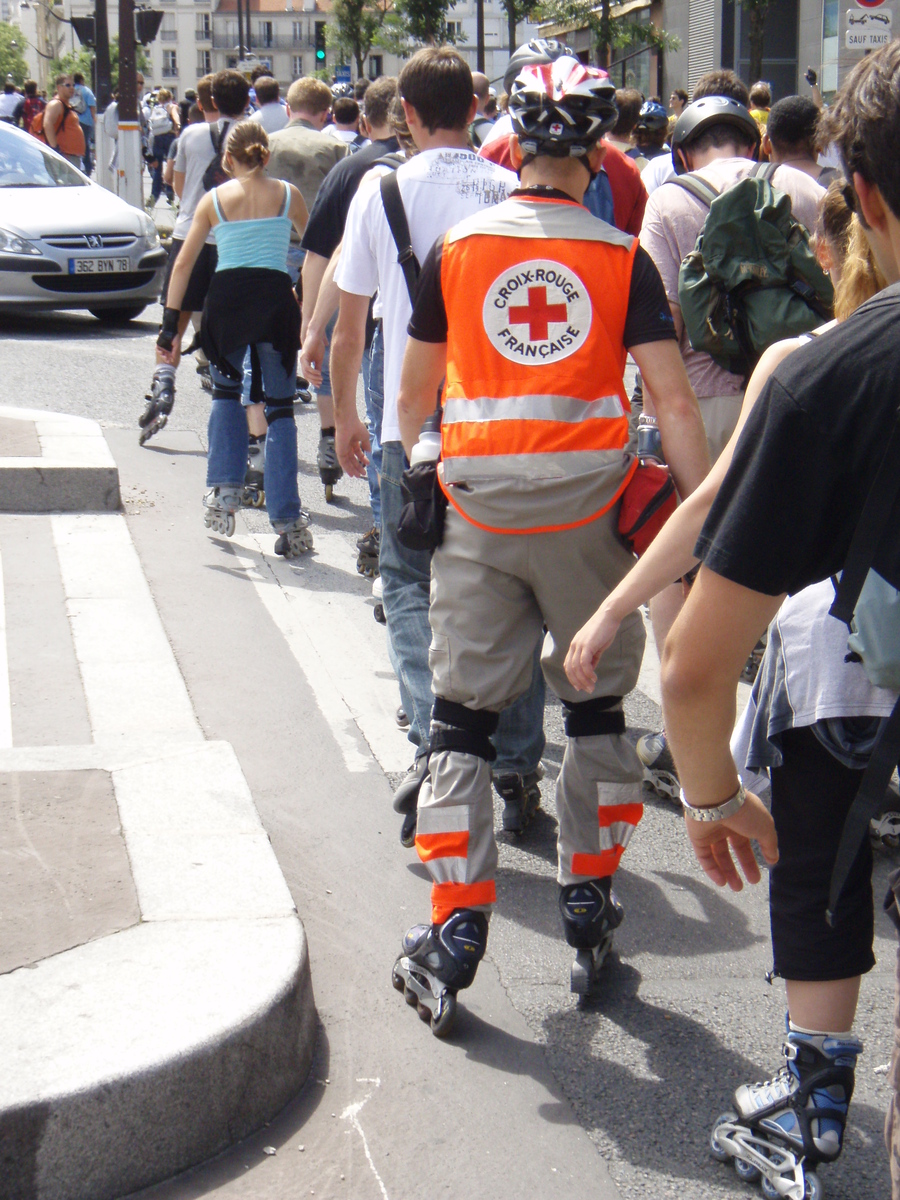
<point x="11" y="244"/>
<point x="151" y="235"/>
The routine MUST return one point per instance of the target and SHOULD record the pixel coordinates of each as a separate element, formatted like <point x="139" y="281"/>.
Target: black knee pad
<point x="225" y="391"/>
<point x="590" y="718"/>
<point x="279" y="410"/>
<point x="468" y="730"/>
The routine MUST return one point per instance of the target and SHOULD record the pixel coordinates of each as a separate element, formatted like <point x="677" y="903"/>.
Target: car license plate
<point x="98" y="266"/>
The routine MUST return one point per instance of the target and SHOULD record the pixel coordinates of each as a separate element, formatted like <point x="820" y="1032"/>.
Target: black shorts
<point x="811" y="795"/>
<point x="201" y="276"/>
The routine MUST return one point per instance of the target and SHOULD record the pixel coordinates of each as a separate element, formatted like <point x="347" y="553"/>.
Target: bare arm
<point x="351" y="436"/>
<point x="671" y="554"/>
<point x="313" y="332"/>
<point x="184" y="264"/>
<point x="424" y="366"/>
<point x="178" y="183"/>
<point x="702" y="660"/>
<point x="312" y="274"/>
<point x="298" y="211"/>
<point x="52" y="123"/>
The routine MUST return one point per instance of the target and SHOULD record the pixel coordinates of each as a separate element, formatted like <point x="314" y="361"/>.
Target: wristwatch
<point x="719" y="812"/>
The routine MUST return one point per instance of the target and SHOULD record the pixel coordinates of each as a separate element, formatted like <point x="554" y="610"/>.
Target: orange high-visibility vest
<point x="536" y="293"/>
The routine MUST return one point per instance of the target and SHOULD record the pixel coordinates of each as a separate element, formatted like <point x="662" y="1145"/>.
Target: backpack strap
<point x="763" y="170"/>
<point x="866" y="538"/>
<point x="699" y="188"/>
<point x="399" y="226"/>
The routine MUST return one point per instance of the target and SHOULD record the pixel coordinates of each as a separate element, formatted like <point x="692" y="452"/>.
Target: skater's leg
<point x="226" y="461"/>
<point x="373" y="383"/>
<point x="282" y="496"/>
<point x="330" y="470"/>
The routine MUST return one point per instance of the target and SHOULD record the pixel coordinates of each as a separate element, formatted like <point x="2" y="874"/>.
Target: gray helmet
<point x="562" y="108"/>
<point x="533" y="53"/>
<point x="711" y="110"/>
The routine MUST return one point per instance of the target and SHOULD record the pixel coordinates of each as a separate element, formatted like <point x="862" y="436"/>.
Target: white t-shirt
<point x="439" y="188"/>
<point x="272" y="116"/>
<point x="194" y="154"/>
<point x="343" y="135"/>
<point x="657" y="171"/>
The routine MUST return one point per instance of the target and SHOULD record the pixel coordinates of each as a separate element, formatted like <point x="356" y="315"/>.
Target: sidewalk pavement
<point x="155" y="993"/>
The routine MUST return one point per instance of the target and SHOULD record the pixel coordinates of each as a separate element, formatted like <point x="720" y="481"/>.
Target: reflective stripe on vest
<point x="536" y="293"/>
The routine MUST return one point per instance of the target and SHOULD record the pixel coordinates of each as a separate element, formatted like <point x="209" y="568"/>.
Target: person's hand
<point x="351" y="441"/>
<point x="595" y="636"/>
<point x="312" y="355"/>
<point x="714" y="842"/>
<point x="811" y="77"/>
<point x="168" y="343"/>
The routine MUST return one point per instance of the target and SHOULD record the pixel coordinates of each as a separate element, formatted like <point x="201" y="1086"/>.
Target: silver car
<point x="66" y="242"/>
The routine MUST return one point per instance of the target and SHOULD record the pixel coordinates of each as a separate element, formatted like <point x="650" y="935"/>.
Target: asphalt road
<point x="685" y="1014"/>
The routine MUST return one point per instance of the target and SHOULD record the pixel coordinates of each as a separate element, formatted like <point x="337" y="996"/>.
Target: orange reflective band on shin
<point x="597" y="866"/>
<point x="445" y="897"/>
<point x="611" y="814"/>
<point x="442" y="845"/>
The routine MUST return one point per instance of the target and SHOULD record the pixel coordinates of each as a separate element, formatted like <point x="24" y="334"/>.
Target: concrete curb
<point x="74" y="473"/>
<point x="134" y="1056"/>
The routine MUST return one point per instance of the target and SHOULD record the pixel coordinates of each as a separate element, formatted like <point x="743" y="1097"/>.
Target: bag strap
<point x="699" y="188"/>
<point x="865" y="541"/>
<point x="763" y="170"/>
<point x="399" y="226"/>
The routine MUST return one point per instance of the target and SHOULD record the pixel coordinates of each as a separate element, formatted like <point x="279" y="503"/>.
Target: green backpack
<point x="752" y="278"/>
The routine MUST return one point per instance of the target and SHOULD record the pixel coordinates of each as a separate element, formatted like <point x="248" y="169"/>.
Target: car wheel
<point x="118" y="316"/>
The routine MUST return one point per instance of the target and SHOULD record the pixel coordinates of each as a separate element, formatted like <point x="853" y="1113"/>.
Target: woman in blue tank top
<point x="250" y="304"/>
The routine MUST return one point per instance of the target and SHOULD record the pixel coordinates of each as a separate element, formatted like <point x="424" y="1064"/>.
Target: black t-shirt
<point x="649" y="318"/>
<point x="329" y="214"/>
<point x="805" y="460"/>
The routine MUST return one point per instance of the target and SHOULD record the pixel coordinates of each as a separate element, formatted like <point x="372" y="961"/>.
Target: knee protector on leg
<point x="279" y="410"/>
<point x="468" y="730"/>
<point x="591" y="718"/>
<point x="226" y="391"/>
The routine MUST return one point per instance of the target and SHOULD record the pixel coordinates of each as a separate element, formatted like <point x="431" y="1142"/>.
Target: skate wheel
<point x="260" y="501"/>
<point x="768" y="1189"/>
<point x="397" y="980"/>
<point x="424" y="1012"/>
<point x="408" y="830"/>
<point x="715" y="1149"/>
<point x="814" y="1189"/>
<point x="746" y="1171"/>
<point x="378" y="614"/>
<point x="145" y="437"/>
<point x="444" y="1017"/>
<point x="329" y="492"/>
<point x="410" y="997"/>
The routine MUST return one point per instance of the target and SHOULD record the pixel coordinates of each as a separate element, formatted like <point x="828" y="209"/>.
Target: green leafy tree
<point x="357" y="24"/>
<point x="12" y="61"/>
<point x="516" y="12"/>
<point x="80" y="61"/>
<point x="608" y="33"/>
<point x="757" y="11"/>
<point x="414" y="23"/>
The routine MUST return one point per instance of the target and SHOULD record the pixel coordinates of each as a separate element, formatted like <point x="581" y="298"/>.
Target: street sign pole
<point x="130" y="162"/>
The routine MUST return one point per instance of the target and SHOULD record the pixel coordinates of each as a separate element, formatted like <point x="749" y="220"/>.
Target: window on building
<point x="168" y="31"/>
<point x="454" y="29"/>
<point x="376" y="66"/>
<point x="266" y="37"/>
<point x="170" y="64"/>
<point x="297" y="66"/>
<point x="204" y="62"/>
<point x="297" y="31"/>
<point x="203" y="32"/>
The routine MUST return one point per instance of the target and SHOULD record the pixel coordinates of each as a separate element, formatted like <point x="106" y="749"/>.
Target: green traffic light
<point x="320" y="54"/>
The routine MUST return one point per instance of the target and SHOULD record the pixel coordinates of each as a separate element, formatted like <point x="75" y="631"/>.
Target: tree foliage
<point x="80" y="61"/>
<point x="357" y="24"/>
<point x="12" y="61"/>
<point x="516" y="12"/>
<point x="608" y="33"/>
<point x="414" y="23"/>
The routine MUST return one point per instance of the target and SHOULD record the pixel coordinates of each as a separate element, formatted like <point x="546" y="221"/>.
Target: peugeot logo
<point x="94" y="241"/>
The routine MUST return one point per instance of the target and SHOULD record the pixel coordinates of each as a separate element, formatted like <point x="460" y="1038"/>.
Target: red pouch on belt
<point x="647" y="503"/>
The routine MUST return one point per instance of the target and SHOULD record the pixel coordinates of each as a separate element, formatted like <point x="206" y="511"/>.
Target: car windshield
<point x="26" y="163"/>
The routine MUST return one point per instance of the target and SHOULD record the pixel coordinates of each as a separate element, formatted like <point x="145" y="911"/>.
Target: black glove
<point x="811" y="77"/>
<point x="168" y="331"/>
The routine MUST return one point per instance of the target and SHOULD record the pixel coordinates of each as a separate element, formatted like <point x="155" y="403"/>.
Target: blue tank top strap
<point x="215" y="199"/>
<point x="287" y="199"/>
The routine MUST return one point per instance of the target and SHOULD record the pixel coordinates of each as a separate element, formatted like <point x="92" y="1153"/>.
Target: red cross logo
<point x="538" y="314"/>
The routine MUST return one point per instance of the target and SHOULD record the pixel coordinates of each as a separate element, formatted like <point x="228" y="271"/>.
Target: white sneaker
<point x="377" y="589"/>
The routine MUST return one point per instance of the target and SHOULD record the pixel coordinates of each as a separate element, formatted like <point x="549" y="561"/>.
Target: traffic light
<point x="320" y="44"/>
<point x="84" y="28"/>
<point x="146" y="25"/>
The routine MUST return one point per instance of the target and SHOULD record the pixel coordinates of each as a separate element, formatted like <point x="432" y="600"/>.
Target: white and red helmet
<point x="561" y="108"/>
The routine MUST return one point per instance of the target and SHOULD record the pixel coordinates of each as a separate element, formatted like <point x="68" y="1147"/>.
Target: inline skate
<point x="160" y="400"/>
<point x="590" y="915"/>
<point x="885" y="830"/>
<point x="295" y="538"/>
<point x="302" y="392"/>
<point x="521" y="798"/>
<point x="660" y="773"/>
<point x="254" y="493"/>
<point x="368" y="546"/>
<point x="221" y="505"/>
<point x="784" y="1127"/>
<point x="205" y="376"/>
<point x="437" y="962"/>
<point x="330" y="470"/>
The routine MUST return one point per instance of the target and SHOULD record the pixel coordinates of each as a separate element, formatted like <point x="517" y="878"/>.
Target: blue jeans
<point x="88" y="160"/>
<point x="226" y="464"/>
<point x="373" y="386"/>
<point x="160" y="150"/>
<point x="406" y="576"/>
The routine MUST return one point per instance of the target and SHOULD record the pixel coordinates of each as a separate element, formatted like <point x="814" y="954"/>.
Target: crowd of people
<point x="488" y="275"/>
